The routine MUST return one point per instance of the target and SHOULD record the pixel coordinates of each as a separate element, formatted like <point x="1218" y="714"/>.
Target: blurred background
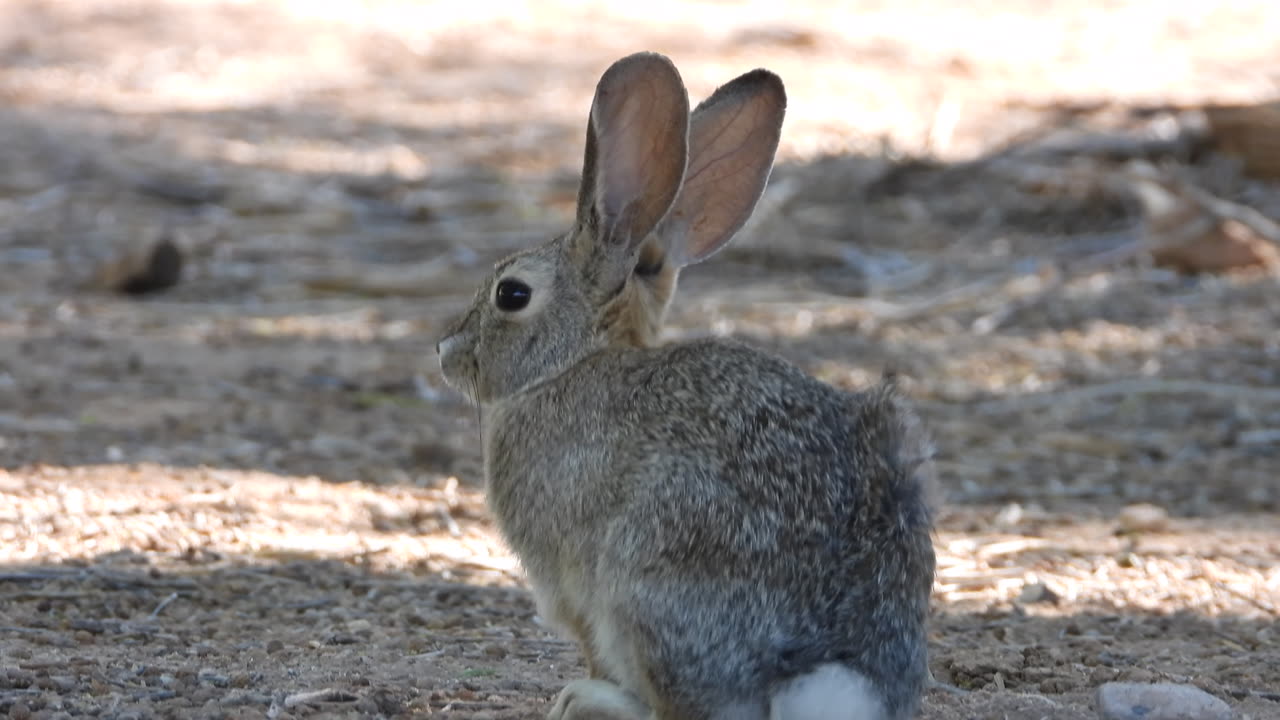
<point x="231" y="231"/>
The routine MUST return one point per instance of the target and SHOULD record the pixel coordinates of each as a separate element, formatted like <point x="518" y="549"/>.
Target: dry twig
<point x="163" y="604"/>
<point x="327" y="695"/>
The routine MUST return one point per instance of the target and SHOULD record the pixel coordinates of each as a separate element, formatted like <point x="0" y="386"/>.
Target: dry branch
<point x="1192" y="231"/>
<point x="327" y="695"/>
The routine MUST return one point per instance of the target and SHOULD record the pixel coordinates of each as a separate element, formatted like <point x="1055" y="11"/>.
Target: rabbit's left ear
<point x="733" y="137"/>
<point x="637" y="147"/>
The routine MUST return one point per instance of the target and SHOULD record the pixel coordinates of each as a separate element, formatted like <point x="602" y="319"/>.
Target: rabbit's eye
<point x="512" y="295"/>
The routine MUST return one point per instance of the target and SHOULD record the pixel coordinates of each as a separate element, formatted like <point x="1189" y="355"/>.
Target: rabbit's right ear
<point x="733" y="137"/>
<point x="637" y="148"/>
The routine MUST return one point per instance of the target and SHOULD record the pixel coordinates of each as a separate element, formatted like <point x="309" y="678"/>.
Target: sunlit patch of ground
<point x="54" y="515"/>
<point x="57" y="515"/>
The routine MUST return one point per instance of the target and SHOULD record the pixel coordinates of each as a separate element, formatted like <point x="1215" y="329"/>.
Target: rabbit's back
<point x="737" y="522"/>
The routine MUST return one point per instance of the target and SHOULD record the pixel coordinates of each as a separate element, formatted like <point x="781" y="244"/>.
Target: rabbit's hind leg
<point x="597" y="700"/>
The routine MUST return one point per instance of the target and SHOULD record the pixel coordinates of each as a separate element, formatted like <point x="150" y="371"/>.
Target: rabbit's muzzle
<point x="458" y="364"/>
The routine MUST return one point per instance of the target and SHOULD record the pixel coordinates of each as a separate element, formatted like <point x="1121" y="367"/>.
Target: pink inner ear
<point x="626" y="160"/>
<point x="641" y="122"/>
<point x="732" y="140"/>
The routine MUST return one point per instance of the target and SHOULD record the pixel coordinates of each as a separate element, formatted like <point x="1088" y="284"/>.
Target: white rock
<point x="1143" y="517"/>
<point x="1159" y="701"/>
<point x="1038" y="592"/>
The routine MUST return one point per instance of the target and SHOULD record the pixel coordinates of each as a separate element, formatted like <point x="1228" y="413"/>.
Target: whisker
<point x="475" y="400"/>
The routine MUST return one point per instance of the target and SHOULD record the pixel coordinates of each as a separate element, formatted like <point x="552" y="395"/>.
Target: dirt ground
<point x="251" y="495"/>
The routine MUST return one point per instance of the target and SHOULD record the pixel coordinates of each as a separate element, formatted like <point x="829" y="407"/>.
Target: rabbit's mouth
<point x="459" y="367"/>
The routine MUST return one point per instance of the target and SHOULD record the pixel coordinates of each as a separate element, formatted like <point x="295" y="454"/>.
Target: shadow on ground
<point x="215" y="637"/>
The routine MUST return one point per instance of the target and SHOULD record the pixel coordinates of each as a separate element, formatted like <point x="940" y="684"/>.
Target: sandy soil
<point x="251" y="495"/>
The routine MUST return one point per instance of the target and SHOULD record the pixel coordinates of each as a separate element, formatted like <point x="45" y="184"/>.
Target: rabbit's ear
<point x="733" y="136"/>
<point x="637" y="147"/>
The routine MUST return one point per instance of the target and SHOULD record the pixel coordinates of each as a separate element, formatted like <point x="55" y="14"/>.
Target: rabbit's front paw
<point x="597" y="700"/>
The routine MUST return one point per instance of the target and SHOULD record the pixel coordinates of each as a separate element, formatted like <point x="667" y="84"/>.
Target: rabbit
<point x="724" y="536"/>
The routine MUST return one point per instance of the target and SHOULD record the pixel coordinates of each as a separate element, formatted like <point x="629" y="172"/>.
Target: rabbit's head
<point x="660" y="190"/>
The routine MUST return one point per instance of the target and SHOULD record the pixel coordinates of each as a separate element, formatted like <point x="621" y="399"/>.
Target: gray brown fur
<point x="707" y="521"/>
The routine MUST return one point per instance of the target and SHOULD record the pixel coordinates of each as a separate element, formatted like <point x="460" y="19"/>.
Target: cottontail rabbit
<point x="724" y="536"/>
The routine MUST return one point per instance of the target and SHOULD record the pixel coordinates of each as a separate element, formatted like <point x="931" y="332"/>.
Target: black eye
<point x="512" y="295"/>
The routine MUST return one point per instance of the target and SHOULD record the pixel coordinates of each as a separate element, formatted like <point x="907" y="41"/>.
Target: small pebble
<point x="1159" y="701"/>
<point x="1143" y="517"/>
<point x="274" y="646"/>
<point x="1038" y="593"/>
<point x="209" y="676"/>
<point x="1009" y="516"/>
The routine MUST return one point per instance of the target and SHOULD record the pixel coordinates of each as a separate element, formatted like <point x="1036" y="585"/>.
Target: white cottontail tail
<point x="723" y="535"/>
